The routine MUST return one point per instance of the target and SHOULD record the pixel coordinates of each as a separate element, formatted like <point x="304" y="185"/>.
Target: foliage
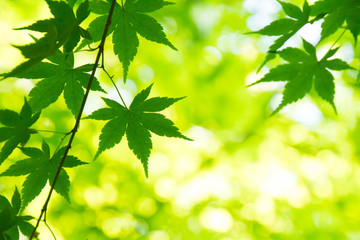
<point x="208" y="190"/>
<point x="303" y="69"/>
<point x="11" y="220"/>
<point x="17" y="129"/>
<point x="136" y="121"/>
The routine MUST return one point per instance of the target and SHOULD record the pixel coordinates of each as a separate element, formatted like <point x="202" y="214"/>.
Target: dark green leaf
<point x="83" y="11"/>
<point x="309" y="48"/>
<point x="306" y="10"/>
<point x="125" y="44"/>
<point x="140" y="98"/>
<point x="102" y="114"/>
<point x="157" y="104"/>
<point x="73" y="94"/>
<point x="32" y="152"/>
<point x="145" y="6"/>
<point x="292" y="10"/>
<point x="160" y="125"/>
<point x="20" y="168"/>
<point x="136" y="123"/>
<point x="72" y="161"/>
<point x="337" y="65"/>
<point x="10" y="118"/>
<point x="62" y="185"/>
<point x="33" y="185"/>
<point x="16" y="201"/>
<point x="269" y="56"/>
<point x="7" y="219"/>
<point x="13" y="232"/>
<point x="332" y="22"/>
<point x="72" y="41"/>
<point x="41" y="70"/>
<point x="280" y="73"/>
<point x="278" y="27"/>
<point x="25" y="228"/>
<point x="10" y="145"/>
<point x="296" y="89"/>
<point x="99" y="7"/>
<point x="150" y="29"/>
<point x="139" y="141"/>
<point x="84" y="80"/>
<point x="325" y="86"/>
<point x="6" y="133"/>
<point x="331" y="53"/>
<point x="294" y="55"/>
<point x="130" y="20"/>
<point x="46" y="149"/>
<point x="46" y="92"/>
<point x="61" y="11"/>
<point x="115" y="105"/>
<point x="18" y="131"/>
<point x="25" y="113"/>
<point x="112" y="133"/>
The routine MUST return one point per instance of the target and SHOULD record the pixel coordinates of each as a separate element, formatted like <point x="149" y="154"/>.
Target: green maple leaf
<point x="137" y="122"/>
<point x="336" y="13"/>
<point x="285" y="27"/>
<point x="10" y="219"/>
<point x="128" y="21"/>
<point x="62" y="30"/>
<point x="59" y="75"/>
<point x="302" y="72"/>
<point x="40" y="168"/>
<point x="17" y="129"/>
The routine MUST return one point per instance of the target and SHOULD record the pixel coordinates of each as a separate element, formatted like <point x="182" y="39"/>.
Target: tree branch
<point x="77" y="122"/>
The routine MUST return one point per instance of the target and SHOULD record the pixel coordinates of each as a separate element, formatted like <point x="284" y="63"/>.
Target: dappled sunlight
<point x="218" y="220"/>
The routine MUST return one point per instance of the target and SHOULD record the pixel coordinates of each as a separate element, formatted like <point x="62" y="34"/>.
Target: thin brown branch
<point x="77" y="122"/>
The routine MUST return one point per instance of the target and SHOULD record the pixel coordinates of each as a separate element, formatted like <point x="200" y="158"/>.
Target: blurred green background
<point x="246" y="176"/>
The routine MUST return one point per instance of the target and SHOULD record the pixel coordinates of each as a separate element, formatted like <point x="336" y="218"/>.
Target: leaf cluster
<point x="11" y="220"/>
<point x="17" y="128"/>
<point x="61" y="30"/>
<point x="129" y="20"/>
<point x="40" y="168"/>
<point x="304" y="70"/>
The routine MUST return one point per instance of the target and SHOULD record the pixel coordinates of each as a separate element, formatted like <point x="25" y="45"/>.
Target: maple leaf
<point x="128" y="21"/>
<point x="17" y="130"/>
<point x="285" y="27"/>
<point x="336" y="13"/>
<point x="137" y="122"/>
<point x="303" y="71"/>
<point x="40" y="168"/>
<point x="62" y="30"/>
<point x="11" y="220"/>
<point x="59" y="75"/>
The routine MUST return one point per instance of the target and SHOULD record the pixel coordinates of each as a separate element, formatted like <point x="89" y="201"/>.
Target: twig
<point x="112" y="81"/>
<point x="78" y="118"/>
